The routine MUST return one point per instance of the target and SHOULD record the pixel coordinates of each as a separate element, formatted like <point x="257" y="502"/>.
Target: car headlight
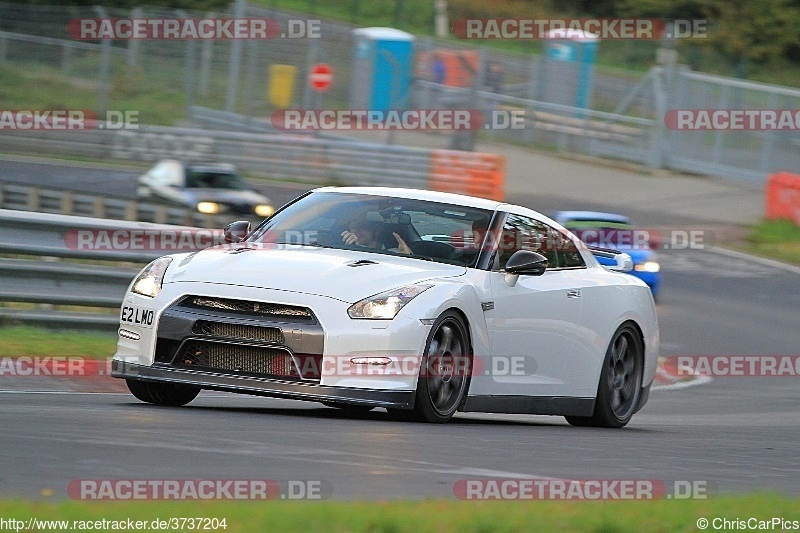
<point x="148" y="282"/>
<point x="264" y="210"/>
<point x="208" y="208"/>
<point x="386" y="305"/>
<point x="647" y="266"/>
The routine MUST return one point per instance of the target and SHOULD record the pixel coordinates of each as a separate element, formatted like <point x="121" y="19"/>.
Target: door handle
<point x="573" y="293"/>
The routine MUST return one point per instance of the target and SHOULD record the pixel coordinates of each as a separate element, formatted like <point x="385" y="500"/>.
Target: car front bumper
<point x="398" y="399"/>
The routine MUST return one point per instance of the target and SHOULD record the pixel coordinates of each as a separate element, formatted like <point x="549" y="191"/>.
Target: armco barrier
<point x="476" y="174"/>
<point x="28" y="283"/>
<point x="65" y="202"/>
<point x="783" y="197"/>
<point x="278" y="156"/>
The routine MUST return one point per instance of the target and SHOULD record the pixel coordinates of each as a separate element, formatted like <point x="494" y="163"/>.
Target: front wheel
<point x="162" y="393"/>
<point x="444" y="373"/>
<point x="620" y="382"/>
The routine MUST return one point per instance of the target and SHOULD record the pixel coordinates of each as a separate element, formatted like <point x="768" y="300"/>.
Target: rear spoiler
<point x="623" y="261"/>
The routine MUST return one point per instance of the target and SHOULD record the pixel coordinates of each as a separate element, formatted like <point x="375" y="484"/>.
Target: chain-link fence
<point x="42" y="66"/>
<point x="234" y="75"/>
<point x="746" y="152"/>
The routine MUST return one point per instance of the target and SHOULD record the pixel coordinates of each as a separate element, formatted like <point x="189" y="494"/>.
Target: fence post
<point x="34" y="199"/>
<point x="252" y="66"/>
<point x="189" y="68"/>
<point x="718" y="135"/>
<point x="161" y="214"/>
<point x="67" y="203"/>
<point x="105" y="64"/>
<point x="134" y="44"/>
<point x="132" y="210"/>
<point x="311" y="58"/>
<point x="66" y="54"/>
<point x="769" y="138"/>
<point x="236" y="61"/>
<point x="659" y="142"/>
<point x="99" y="207"/>
<point x="206" y="54"/>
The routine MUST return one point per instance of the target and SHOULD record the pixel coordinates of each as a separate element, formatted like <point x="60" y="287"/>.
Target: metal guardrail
<point x="100" y="282"/>
<point x="216" y="119"/>
<point x="65" y="202"/>
<point x="277" y="156"/>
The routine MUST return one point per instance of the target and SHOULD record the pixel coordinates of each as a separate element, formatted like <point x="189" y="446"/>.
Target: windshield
<point x="606" y="234"/>
<point x="213" y="180"/>
<point x="433" y="231"/>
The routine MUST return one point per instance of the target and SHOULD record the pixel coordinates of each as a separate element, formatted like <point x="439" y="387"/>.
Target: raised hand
<point x="402" y="247"/>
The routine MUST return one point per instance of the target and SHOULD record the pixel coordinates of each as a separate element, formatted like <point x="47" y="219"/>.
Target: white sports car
<point x="420" y="302"/>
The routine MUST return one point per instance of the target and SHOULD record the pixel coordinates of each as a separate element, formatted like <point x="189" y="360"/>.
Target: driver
<point x="368" y="233"/>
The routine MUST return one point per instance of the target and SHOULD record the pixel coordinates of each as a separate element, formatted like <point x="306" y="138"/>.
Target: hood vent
<point x="240" y="250"/>
<point x="362" y="262"/>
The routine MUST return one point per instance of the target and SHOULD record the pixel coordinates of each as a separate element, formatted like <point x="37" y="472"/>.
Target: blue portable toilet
<point x="382" y="67"/>
<point x="568" y="67"/>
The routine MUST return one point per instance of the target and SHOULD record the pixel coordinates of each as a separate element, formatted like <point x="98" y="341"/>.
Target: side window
<point x="568" y="254"/>
<point x="523" y="233"/>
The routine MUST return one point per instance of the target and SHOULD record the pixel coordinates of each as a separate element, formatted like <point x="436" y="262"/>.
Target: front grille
<point x="236" y="358"/>
<point x="278" y="311"/>
<point x="242" y="209"/>
<point x="238" y="331"/>
<point x="165" y="350"/>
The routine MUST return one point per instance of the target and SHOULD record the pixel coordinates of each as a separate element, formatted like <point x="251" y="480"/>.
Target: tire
<point x="162" y="393"/>
<point x="352" y="408"/>
<point x="620" y="382"/>
<point x="444" y="374"/>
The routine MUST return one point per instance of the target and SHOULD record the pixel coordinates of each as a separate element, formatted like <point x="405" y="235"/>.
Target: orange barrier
<point x="457" y="66"/>
<point x="472" y="173"/>
<point x="783" y="197"/>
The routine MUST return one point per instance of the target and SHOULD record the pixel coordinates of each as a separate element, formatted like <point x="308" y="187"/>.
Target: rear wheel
<point x="162" y="393"/>
<point x="444" y="374"/>
<point x="620" y="382"/>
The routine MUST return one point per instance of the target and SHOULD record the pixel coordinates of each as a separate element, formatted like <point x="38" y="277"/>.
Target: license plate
<point x="136" y="316"/>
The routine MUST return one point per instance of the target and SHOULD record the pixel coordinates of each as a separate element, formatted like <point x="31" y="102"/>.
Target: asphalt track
<point x="735" y="434"/>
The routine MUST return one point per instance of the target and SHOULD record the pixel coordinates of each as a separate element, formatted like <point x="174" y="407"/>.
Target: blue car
<point x="610" y="230"/>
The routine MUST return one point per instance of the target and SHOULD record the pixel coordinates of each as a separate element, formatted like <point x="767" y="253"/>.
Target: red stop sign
<point x="320" y="77"/>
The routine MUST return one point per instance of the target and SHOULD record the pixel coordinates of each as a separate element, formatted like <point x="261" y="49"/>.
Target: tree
<point x="743" y="30"/>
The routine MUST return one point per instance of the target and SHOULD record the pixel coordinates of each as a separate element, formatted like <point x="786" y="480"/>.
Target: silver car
<point x="210" y="188"/>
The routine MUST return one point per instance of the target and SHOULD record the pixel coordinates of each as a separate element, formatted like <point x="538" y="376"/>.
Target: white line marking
<point x="756" y="259"/>
<point x="699" y="380"/>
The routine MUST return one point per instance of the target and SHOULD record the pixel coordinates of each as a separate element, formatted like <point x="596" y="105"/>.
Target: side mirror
<point x="527" y="262"/>
<point x="236" y="231"/>
<point x="622" y="263"/>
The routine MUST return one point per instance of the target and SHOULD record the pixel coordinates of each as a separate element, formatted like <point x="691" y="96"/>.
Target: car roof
<point x="563" y="216"/>
<point x="419" y="194"/>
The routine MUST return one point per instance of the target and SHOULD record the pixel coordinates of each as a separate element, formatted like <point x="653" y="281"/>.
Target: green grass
<point x="39" y="86"/>
<point x="18" y="341"/>
<point x="778" y="239"/>
<point x="428" y="515"/>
